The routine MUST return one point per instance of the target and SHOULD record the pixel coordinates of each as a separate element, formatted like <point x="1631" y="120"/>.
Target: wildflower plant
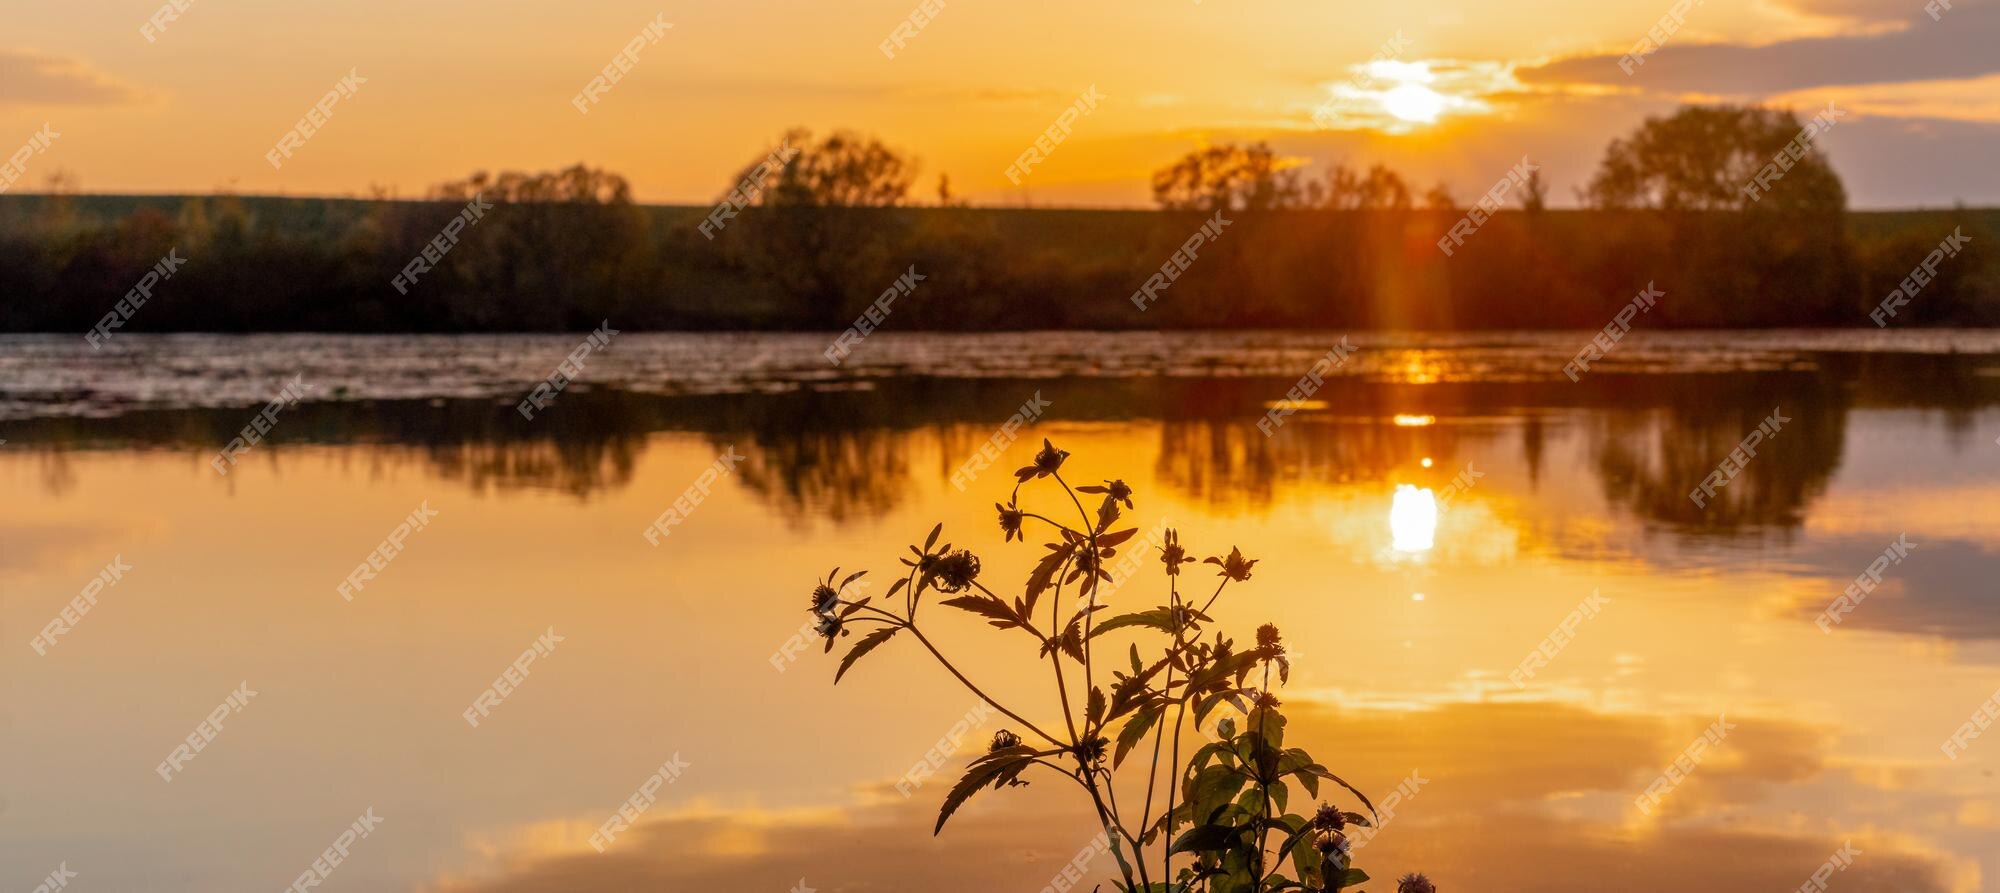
<point x="1224" y="822"/>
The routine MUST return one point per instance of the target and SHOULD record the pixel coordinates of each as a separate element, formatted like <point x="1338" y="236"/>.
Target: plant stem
<point x="1138" y="854"/>
<point x="1263" y="784"/>
<point x="1159" y="732"/>
<point x="1089" y="582"/>
<point x="1052" y="523"/>
<point x="1055" y="654"/>
<point x="976" y="690"/>
<point x="1180" y="713"/>
<point x="1108" y="814"/>
<point x="1217" y="594"/>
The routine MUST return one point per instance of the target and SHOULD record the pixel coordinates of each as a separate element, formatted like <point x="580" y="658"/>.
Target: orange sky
<point x="454" y="86"/>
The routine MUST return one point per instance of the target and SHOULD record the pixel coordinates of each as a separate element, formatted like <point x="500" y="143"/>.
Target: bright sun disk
<point x="1414" y="103"/>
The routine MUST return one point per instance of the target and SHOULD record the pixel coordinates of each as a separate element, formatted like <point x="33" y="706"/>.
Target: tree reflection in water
<point x="844" y="455"/>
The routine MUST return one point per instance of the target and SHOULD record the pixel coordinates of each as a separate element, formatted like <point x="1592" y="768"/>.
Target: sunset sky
<point x="455" y="86"/>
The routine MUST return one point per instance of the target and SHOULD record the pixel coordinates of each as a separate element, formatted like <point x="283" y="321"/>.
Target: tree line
<point x="813" y="239"/>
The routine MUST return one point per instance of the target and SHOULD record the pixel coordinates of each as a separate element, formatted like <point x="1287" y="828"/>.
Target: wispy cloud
<point x="30" y="78"/>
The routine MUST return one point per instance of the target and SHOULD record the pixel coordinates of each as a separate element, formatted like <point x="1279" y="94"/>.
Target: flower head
<point x="1047" y="462"/>
<point x="1010" y="521"/>
<point x="1328" y="818"/>
<point x="1092" y="750"/>
<point x="824" y="599"/>
<point x="1415" y="883"/>
<point x="1235" y="566"/>
<point x="1267" y="638"/>
<point x="826" y="596"/>
<point x="1172" y="555"/>
<point x="1114" y="491"/>
<point x="829" y="625"/>
<point x="1002" y="740"/>
<point x="956" y="571"/>
<point x="1089" y="565"/>
<point x="1332" y="843"/>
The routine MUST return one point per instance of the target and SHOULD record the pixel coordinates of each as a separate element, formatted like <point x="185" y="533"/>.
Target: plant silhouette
<point x="1222" y="825"/>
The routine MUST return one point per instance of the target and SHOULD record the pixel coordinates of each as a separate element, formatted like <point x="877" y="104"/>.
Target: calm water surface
<point x="1403" y="640"/>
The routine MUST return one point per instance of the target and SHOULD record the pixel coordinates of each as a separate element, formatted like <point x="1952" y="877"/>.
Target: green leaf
<point x="1251" y="803"/>
<point x="1305" y="857"/>
<point x="1072" y="634"/>
<point x="851" y="578"/>
<point x="1299" y="842"/>
<point x="1107" y="512"/>
<point x="1353" y="876"/>
<point x="986" y="606"/>
<point x="1212" y="788"/>
<point x="1134" y="732"/>
<point x="932" y="539"/>
<point x="1071" y="643"/>
<point x="1111" y="539"/>
<point x="1093" y="711"/>
<point x="1157" y="618"/>
<point x="1206" y="703"/>
<point x="1201" y="838"/>
<point x="868" y="643"/>
<point x="1294" y="761"/>
<point x="1322" y="772"/>
<point x="1206" y="753"/>
<point x="1044" y="574"/>
<point x="996" y="768"/>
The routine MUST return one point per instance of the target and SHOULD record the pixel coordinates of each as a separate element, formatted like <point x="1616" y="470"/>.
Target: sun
<point x="1414" y="103"/>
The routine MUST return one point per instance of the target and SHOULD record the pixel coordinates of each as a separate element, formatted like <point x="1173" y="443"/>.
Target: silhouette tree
<point x="1227" y="177"/>
<point x="1771" y="255"/>
<point x="846" y="169"/>
<point x="1535" y="193"/>
<point x="1380" y="189"/>
<point x="1701" y="157"/>
<point x="560" y="249"/>
<point x="820" y="229"/>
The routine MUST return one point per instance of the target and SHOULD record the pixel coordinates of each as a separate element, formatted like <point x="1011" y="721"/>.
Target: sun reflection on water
<point x="1413" y="519"/>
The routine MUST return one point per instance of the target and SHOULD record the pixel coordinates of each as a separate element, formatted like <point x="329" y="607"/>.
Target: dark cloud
<point x="1943" y="588"/>
<point x="28" y="78"/>
<point x="1958" y="46"/>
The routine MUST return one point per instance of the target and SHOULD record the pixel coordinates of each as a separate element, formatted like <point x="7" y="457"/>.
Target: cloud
<point x="1943" y="588"/>
<point x="1500" y="780"/>
<point x="1856" y="10"/>
<point x="29" y="78"/>
<point x="1957" y="47"/>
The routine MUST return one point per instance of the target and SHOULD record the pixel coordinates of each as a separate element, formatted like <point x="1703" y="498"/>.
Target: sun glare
<point x="1414" y="103"/>
<point x="1413" y="519"/>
